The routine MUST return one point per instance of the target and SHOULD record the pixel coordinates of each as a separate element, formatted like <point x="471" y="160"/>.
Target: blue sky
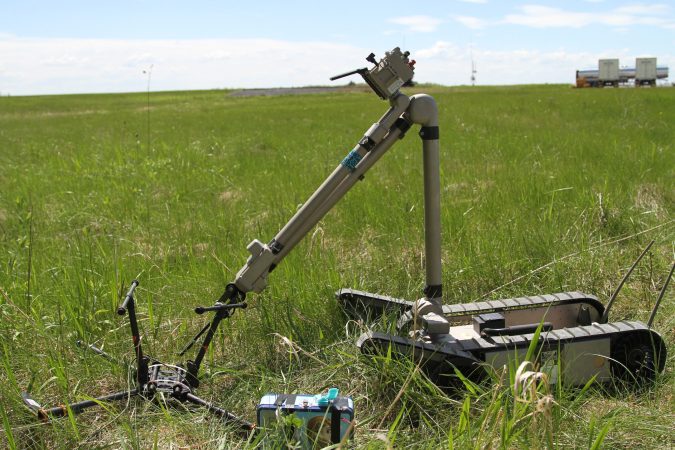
<point x="97" y="46"/>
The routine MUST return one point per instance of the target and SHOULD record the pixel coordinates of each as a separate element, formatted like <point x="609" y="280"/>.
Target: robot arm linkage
<point x="385" y="78"/>
<point x="264" y="257"/>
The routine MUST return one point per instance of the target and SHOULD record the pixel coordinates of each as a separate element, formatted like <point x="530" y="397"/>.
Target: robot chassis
<point x="571" y="327"/>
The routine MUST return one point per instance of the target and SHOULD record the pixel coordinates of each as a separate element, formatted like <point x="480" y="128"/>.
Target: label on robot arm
<point x="395" y="86"/>
<point x="351" y="160"/>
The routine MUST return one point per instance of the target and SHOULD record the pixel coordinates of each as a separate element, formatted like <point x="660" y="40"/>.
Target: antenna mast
<point x="473" y="70"/>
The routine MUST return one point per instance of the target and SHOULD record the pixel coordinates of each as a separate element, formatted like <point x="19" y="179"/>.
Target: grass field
<point x="545" y="189"/>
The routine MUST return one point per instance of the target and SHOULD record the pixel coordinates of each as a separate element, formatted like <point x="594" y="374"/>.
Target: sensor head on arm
<point x="388" y="75"/>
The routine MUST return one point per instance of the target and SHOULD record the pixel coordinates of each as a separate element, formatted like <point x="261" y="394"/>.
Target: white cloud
<point x="418" y="24"/>
<point x="545" y="16"/>
<point x="440" y="50"/>
<point x="41" y="66"/>
<point x="539" y="16"/>
<point x="474" y="23"/>
<point x="643" y="9"/>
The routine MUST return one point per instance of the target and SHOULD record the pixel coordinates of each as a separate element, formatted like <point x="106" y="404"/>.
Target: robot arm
<point x="385" y="78"/>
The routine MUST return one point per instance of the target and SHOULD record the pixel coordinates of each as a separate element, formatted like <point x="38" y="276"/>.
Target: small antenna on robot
<point x="605" y="315"/>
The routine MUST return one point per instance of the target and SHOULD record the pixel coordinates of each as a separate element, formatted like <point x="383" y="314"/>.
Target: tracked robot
<point x="571" y="329"/>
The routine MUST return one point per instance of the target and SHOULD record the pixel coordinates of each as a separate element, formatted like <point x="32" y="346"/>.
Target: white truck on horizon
<point x="609" y="72"/>
<point x="645" y="71"/>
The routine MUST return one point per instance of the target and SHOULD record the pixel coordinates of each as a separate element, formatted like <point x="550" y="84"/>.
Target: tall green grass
<point x="545" y="189"/>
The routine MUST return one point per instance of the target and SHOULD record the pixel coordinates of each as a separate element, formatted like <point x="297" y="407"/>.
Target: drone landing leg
<point x="92" y="348"/>
<point x="220" y="412"/>
<point x="193" y="366"/>
<point x="62" y="410"/>
<point x="142" y="361"/>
